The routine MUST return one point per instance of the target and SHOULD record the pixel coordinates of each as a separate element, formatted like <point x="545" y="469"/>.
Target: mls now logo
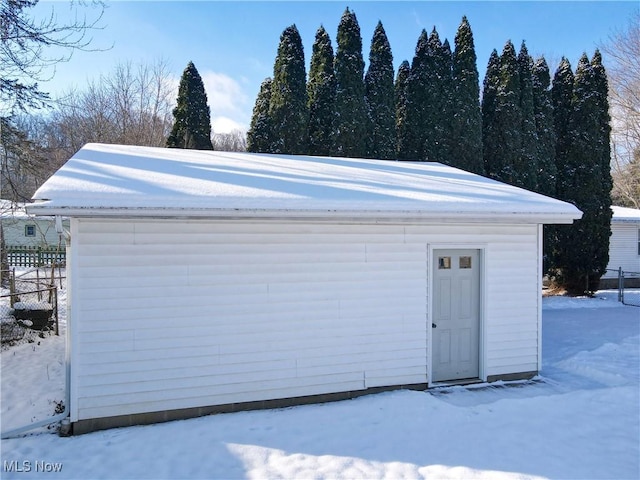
<point x="28" y="466"/>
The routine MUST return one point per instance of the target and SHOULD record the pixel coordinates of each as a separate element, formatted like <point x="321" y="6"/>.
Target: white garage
<point x="203" y="282"/>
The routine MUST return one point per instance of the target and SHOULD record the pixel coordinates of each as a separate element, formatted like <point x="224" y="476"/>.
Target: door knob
<point x="433" y="325"/>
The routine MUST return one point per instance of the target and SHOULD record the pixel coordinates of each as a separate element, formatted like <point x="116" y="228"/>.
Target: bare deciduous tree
<point x="130" y="106"/>
<point x="26" y="48"/>
<point x="234" y="141"/>
<point x="623" y="57"/>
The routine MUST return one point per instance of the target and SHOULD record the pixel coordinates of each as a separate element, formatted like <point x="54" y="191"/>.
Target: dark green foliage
<point x="259" y="134"/>
<point x="379" y="98"/>
<point x="400" y="88"/>
<point x="546" y="139"/>
<point x="321" y="93"/>
<point x="543" y="113"/>
<point x="351" y="116"/>
<point x="429" y="93"/>
<point x="545" y="148"/>
<point x="561" y="97"/>
<point x="466" y="126"/>
<point x="489" y="99"/>
<point x="526" y="168"/>
<point x="192" y="122"/>
<point x="288" y="110"/>
<point x="503" y="139"/>
<point x="438" y="109"/>
<point x="584" y="179"/>
<point x="412" y="144"/>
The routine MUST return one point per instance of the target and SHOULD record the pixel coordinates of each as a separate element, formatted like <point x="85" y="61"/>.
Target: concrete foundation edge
<point x="94" y="424"/>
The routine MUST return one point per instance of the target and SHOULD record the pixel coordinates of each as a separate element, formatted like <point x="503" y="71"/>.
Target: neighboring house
<point x="624" y="248"/>
<point x="30" y="240"/>
<point x="205" y="282"/>
<point x="23" y="230"/>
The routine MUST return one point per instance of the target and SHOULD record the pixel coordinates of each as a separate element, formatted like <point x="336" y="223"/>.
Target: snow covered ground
<point x="579" y="419"/>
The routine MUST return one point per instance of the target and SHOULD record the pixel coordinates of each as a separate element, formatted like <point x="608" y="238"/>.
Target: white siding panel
<point x="178" y="314"/>
<point x="623" y="249"/>
<point x="247" y="312"/>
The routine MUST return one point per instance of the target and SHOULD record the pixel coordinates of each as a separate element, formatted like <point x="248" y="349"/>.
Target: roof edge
<point x="566" y="217"/>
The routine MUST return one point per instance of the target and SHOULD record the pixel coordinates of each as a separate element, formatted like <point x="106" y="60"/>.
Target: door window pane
<point x="465" y="262"/>
<point x="444" y="263"/>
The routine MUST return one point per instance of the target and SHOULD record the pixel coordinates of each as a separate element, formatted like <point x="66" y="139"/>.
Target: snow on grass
<point x="578" y="419"/>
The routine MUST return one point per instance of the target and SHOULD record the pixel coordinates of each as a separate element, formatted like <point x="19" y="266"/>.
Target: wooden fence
<point x="35" y="256"/>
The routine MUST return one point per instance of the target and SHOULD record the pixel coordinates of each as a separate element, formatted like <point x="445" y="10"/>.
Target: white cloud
<point x="226" y="98"/>
<point x="226" y="125"/>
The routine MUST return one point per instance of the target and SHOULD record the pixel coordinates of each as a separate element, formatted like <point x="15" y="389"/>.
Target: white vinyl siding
<point x="171" y="314"/>
<point x="624" y="245"/>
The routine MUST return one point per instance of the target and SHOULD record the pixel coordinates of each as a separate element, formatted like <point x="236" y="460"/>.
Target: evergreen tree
<point x="437" y="127"/>
<point x="503" y="145"/>
<point x="581" y="254"/>
<point x="561" y="98"/>
<point x="321" y="93"/>
<point x="192" y="122"/>
<point x="466" y="127"/>
<point x="489" y="99"/>
<point x="602" y="140"/>
<point x="526" y="168"/>
<point x="413" y="139"/>
<point x="351" y="116"/>
<point x="545" y="148"/>
<point x="400" y="88"/>
<point x="259" y="134"/>
<point x="379" y="98"/>
<point x="288" y="110"/>
<point x="543" y="113"/>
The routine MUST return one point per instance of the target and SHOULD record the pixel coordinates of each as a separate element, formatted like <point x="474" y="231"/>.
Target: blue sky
<point x="233" y="44"/>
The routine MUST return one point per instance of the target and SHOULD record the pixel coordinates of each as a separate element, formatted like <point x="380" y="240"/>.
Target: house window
<point x="639" y="241"/>
<point x="29" y="230"/>
<point x="444" y="263"/>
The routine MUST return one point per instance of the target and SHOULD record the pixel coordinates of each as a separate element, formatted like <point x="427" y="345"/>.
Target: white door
<point x="456" y="314"/>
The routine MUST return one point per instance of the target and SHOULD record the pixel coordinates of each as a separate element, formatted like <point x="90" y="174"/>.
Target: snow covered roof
<point x="117" y="180"/>
<point x="624" y="214"/>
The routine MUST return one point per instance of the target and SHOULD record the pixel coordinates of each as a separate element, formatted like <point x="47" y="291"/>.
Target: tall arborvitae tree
<point x="602" y="157"/>
<point x="321" y="93"/>
<point x="527" y="165"/>
<point x="259" y="134"/>
<point x="400" y="88"/>
<point x="412" y="144"/>
<point x="489" y="99"/>
<point x="379" y="98"/>
<point x="288" y="110"/>
<point x="561" y="97"/>
<point x="503" y="146"/>
<point x="438" y="143"/>
<point x="351" y="116"/>
<point x="602" y="141"/>
<point x="581" y="254"/>
<point x="545" y="149"/>
<point x="466" y="127"/>
<point x="192" y="121"/>
<point x="543" y="112"/>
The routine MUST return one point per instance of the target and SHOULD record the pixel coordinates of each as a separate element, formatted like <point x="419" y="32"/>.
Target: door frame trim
<point x="483" y="257"/>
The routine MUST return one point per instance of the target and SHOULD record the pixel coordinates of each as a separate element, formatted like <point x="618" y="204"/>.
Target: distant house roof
<point x="624" y="214"/>
<point x="117" y="180"/>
